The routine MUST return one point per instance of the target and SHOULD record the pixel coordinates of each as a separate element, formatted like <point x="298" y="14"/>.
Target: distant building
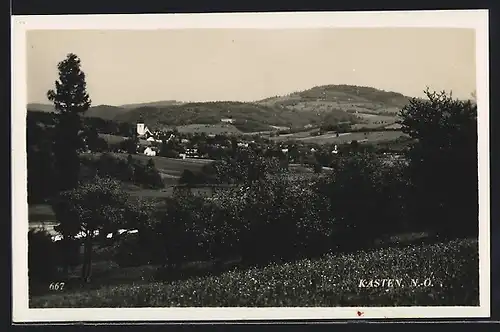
<point x="142" y="129"/>
<point x="227" y="120"/>
<point x="149" y="152"/>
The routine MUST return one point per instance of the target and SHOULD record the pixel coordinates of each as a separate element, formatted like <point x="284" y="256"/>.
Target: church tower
<point x="141" y="130"/>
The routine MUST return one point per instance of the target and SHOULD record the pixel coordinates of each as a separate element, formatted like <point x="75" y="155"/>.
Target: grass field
<point x="115" y="139"/>
<point x="368" y="137"/>
<point x="445" y="273"/>
<point x="208" y="129"/>
<point x="374" y="121"/>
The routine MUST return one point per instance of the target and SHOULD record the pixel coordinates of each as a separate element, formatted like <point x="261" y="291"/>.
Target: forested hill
<point x="332" y="103"/>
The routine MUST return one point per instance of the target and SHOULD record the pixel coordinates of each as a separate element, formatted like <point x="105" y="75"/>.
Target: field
<point x="115" y="139"/>
<point x="444" y="273"/>
<point x="331" y="137"/>
<point x="214" y="129"/>
<point x="374" y="121"/>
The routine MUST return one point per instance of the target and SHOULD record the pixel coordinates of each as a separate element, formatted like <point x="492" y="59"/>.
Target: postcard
<point x="250" y="166"/>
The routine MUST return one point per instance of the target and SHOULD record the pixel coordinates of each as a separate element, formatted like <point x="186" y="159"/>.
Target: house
<point x="227" y="120"/>
<point x="149" y="152"/>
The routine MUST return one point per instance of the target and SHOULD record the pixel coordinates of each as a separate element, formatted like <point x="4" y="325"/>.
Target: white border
<point x="476" y="19"/>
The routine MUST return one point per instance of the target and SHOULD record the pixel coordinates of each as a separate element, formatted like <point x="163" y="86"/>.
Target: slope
<point x="348" y="98"/>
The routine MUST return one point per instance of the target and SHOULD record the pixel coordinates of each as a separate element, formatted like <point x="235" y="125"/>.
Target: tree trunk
<point x="87" y="259"/>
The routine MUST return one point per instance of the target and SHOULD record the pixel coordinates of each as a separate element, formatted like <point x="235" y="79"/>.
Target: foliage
<point x="40" y="163"/>
<point x="443" y="156"/>
<point x="96" y="206"/>
<point x="129" y="145"/>
<point x="129" y="170"/>
<point x="246" y="167"/>
<point x="248" y="116"/>
<point x="367" y="198"/>
<point x="93" y="141"/>
<point x="70" y="99"/>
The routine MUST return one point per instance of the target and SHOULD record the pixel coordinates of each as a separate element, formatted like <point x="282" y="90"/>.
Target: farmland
<point x="213" y="129"/>
<point x="370" y="121"/>
<point x="450" y="272"/>
<point x="331" y="137"/>
<point x="168" y="167"/>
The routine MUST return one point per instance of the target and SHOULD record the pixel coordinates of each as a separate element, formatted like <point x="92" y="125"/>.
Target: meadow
<point x="209" y="129"/>
<point x="445" y="273"/>
<point x="331" y="137"/>
<point x="371" y="121"/>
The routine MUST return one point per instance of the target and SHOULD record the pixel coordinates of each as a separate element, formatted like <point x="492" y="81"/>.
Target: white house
<point x="227" y="120"/>
<point x="149" y="152"/>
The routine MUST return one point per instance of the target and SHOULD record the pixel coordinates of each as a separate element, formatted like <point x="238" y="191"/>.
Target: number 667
<point x="56" y="286"/>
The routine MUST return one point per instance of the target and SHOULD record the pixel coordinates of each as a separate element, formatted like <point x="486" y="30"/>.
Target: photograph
<point x="275" y="166"/>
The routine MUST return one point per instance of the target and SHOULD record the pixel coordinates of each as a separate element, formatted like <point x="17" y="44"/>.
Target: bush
<point x="367" y="198"/>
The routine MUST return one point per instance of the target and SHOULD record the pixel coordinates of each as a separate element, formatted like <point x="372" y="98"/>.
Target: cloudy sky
<point x="249" y="64"/>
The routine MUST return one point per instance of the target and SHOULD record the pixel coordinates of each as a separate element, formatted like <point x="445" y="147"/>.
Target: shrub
<point x="367" y="198"/>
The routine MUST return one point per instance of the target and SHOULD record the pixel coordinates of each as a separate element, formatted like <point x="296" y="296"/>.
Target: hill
<point x="246" y="116"/>
<point x="105" y="112"/>
<point x="37" y="107"/>
<point x="321" y="104"/>
<point x="334" y="280"/>
<point x="348" y="98"/>
<point x="152" y="104"/>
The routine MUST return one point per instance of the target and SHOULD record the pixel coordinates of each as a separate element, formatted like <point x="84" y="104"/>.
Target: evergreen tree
<point x="70" y="99"/>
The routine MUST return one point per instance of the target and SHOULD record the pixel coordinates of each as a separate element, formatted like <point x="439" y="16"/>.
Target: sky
<point x="125" y="67"/>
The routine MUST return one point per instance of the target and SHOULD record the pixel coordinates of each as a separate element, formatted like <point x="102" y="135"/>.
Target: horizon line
<point x="248" y="101"/>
